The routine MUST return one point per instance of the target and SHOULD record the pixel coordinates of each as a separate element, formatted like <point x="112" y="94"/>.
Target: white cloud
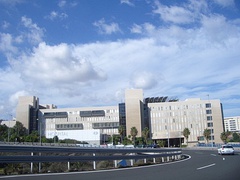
<point x="218" y="29"/>
<point x="56" y="65"/>
<point x="128" y="2"/>
<point x="35" y="33"/>
<point x="6" y="43"/>
<point x="146" y="29"/>
<point x="144" y="80"/>
<point x="225" y="3"/>
<point x="12" y="2"/>
<point x="105" y="28"/>
<point x="174" y="14"/>
<point x="5" y="25"/>
<point x="62" y="3"/>
<point x="56" y="15"/>
<point x="136" y="29"/>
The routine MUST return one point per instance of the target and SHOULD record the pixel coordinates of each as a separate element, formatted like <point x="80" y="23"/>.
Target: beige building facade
<point x="27" y="111"/>
<point x="168" y="119"/>
<point x="134" y="110"/>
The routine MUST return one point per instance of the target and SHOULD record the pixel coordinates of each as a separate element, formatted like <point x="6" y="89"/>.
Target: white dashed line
<point x="206" y="166"/>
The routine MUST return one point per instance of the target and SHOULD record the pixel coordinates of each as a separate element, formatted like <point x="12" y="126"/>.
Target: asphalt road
<point x="203" y="165"/>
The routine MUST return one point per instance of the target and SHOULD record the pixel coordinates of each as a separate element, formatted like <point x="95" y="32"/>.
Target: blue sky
<point x="87" y="52"/>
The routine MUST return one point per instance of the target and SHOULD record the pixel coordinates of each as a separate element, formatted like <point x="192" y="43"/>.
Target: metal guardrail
<point x="111" y="153"/>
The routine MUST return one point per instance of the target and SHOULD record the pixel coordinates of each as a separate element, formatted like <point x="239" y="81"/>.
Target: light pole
<point x="40" y="139"/>
<point x="9" y="127"/>
<point x="8" y="130"/>
<point x="168" y="132"/>
<point x="40" y="131"/>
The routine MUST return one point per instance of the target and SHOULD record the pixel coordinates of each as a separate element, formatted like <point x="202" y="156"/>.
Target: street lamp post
<point x="40" y="133"/>
<point x="8" y="131"/>
<point x="40" y="139"/>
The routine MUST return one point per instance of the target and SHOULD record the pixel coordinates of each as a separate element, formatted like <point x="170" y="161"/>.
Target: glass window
<point x="209" y="118"/>
<point x="209" y="111"/>
<point x="209" y="124"/>
<point x="208" y="105"/>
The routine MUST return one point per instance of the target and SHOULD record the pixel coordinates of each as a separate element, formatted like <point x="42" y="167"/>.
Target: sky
<point x="84" y="53"/>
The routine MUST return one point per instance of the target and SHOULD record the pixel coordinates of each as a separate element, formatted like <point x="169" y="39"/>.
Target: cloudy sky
<point x="80" y="53"/>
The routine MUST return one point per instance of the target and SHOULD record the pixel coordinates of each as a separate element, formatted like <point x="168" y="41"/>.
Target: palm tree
<point x="207" y="134"/>
<point x="145" y="134"/>
<point x="134" y="133"/>
<point x="186" y="133"/>
<point x="121" y="131"/>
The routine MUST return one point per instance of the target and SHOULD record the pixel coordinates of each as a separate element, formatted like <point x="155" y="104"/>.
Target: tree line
<point x="225" y="136"/>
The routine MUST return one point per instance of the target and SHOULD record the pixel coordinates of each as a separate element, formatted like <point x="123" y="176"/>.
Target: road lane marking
<point x="213" y="155"/>
<point x="203" y="167"/>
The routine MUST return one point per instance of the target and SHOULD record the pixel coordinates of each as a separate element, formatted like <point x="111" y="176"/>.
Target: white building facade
<point x="92" y="124"/>
<point x="232" y="124"/>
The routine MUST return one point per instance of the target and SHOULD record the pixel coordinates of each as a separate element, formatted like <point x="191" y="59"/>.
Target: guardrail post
<point x="162" y="159"/>
<point x="167" y="158"/>
<point x="39" y="164"/>
<point x="68" y="165"/>
<point x="145" y="161"/>
<point x="154" y="160"/>
<point x="131" y="162"/>
<point x="115" y="163"/>
<point x="31" y="163"/>
<point x="94" y="163"/>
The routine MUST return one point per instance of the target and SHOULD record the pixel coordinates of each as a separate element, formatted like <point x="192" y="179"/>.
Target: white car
<point x="226" y="149"/>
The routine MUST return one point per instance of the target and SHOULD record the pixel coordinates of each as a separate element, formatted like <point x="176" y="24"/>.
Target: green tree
<point x="121" y="131"/>
<point x="33" y="137"/>
<point x="133" y="133"/>
<point x="3" y="132"/>
<point x="207" y="134"/>
<point x="236" y="137"/>
<point x="145" y="134"/>
<point x="186" y="133"/>
<point x="18" y="132"/>
<point x="161" y="143"/>
<point x="223" y="137"/>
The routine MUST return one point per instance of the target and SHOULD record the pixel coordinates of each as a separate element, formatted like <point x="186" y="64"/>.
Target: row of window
<point x="207" y="105"/>
<point x="69" y="126"/>
<point x="105" y="125"/>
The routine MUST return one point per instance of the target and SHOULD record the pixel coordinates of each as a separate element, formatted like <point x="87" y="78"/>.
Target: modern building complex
<point x="232" y="124"/>
<point x="166" y="119"/>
